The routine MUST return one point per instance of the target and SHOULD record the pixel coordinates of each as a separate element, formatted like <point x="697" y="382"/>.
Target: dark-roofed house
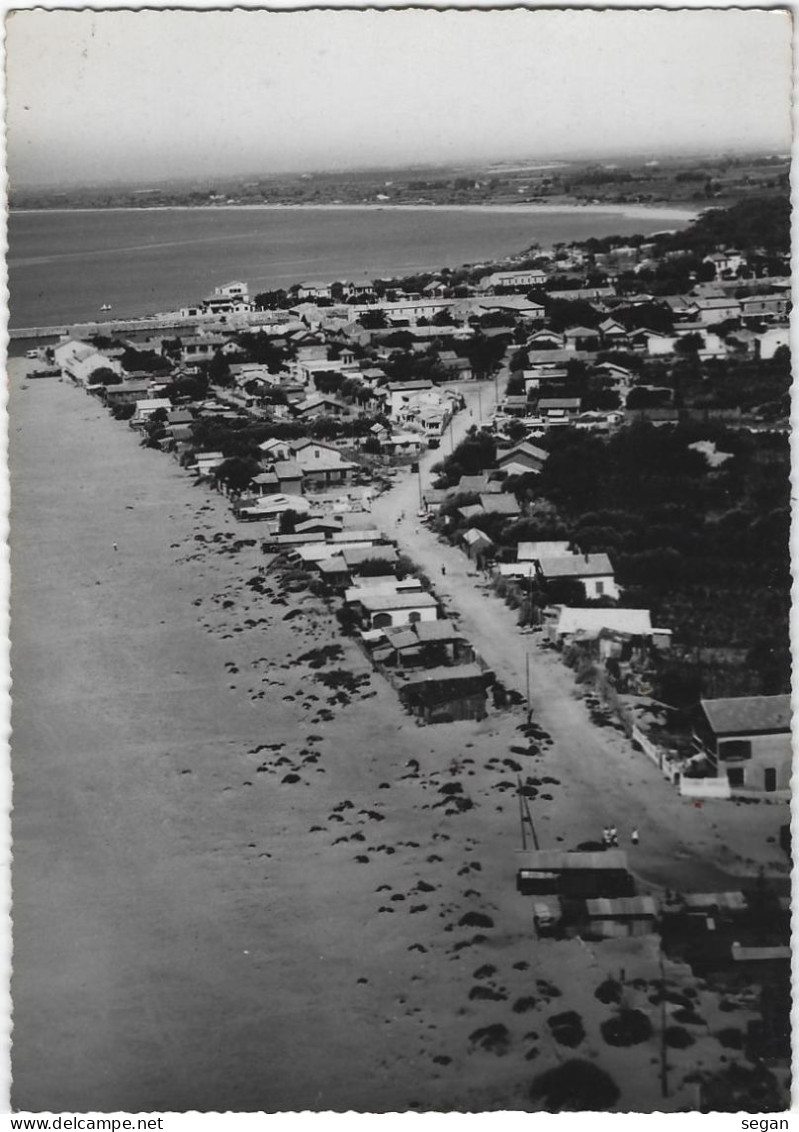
<point x="467" y="484"/>
<point x="126" y="393"/>
<point x="558" y="410"/>
<point x="593" y="570"/>
<point x="750" y="737"/>
<point x="441" y="695"/>
<point x="554" y="872"/>
<point x="355" y="556"/>
<point x="500" y="503"/>
<point x="424" y="643"/>
<point x="283" y="477"/>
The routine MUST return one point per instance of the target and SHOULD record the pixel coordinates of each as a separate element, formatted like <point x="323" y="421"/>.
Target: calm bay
<point x="64" y="265"/>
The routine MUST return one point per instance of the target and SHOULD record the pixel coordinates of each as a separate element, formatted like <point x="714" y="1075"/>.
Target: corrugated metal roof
<point x="603" y="908"/>
<point x="549" y="860"/>
<point x="446" y="672"/>
<point x="374" y="603"/>
<point x="591" y="622"/>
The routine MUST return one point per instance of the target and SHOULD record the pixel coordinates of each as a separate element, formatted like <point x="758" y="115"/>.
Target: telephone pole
<point x="527" y="675"/>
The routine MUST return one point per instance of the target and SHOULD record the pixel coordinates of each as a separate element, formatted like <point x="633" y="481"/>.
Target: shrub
<point x="627" y="1028"/>
<point x="575" y="1086"/>
<point x="731" y="1038"/>
<point x="609" y="991"/>
<point x="676" y="1037"/>
<point x="475" y="920"/>
<point x="495" y="1039"/>
<point x="567" y="1028"/>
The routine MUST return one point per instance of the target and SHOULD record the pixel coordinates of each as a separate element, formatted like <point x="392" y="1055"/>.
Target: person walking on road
<point x="614" y="837"/>
<point x="634" y="836"/>
<point x="443" y="570"/>
<point x="116" y="547"/>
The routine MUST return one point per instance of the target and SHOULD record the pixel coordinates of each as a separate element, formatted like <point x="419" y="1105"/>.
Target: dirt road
<point x="607" y="783"/>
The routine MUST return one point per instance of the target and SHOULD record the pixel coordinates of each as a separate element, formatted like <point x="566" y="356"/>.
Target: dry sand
<point x="229" y="891"/>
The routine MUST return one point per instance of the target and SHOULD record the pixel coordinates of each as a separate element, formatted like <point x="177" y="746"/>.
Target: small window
<point x="735" y="750"/>
<point x="600" y="589"/>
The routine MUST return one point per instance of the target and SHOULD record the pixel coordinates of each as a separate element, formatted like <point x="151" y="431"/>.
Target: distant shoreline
<point x="634" y="211"/>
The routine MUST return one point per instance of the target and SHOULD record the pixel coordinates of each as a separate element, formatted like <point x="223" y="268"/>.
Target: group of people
<point x="610" y="837"/>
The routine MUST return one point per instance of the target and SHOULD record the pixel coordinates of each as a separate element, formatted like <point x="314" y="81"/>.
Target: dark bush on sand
<point x="676" y="1037"/>
<point x="575" y="1086"/>
<point x="495" y="1039"/>
<point x="731" y="1038"/>
<point x="627" y="1028"/>
<point x="609" y="991"/>
<point x="475" y="920"/>
<point x="567" y="1028"/>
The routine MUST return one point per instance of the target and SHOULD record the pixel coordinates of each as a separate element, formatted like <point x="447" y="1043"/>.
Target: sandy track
<point x="682" y="846"/>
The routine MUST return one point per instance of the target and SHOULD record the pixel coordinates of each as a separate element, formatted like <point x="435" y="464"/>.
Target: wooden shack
<point x="553" y="872"/>
<point x="619" y="917"/>
<point x="444" y="694"/>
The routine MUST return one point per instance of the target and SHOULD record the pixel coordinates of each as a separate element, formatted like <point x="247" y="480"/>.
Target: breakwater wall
<point x="152" y="323"/>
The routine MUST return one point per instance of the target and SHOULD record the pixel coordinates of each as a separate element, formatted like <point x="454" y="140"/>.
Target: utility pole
<point x="527" y="674"/>
<point x="480" y="403"/>
<point x="521" y="811"/>
<point x="451" y="438"/>
<point x="419" y="470"/>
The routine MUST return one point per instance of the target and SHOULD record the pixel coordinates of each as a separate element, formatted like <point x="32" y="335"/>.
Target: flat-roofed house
<point x="523" y="277"/>
<point x="772" y="340"/>
<point x="400" y="393"/>
<point x="750" y="737"/>
<point x="587" y="624"/>
<point x="383" y="609"/>
<point x="710" y="311"/>
<point x="768" y="308"/>
<point x="532" y="551"/>
<point x="146" y="409"/>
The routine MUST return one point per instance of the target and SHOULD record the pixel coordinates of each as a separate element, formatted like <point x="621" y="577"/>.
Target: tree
<point x="148" y="361"/>
<point x="219" y="370"/>
<point x="103" y="376"/>
<point x="515" y="385"/>
<point x="484" y="354"/>
<point x="689" y="344"/>
<point x="373" y="320"/>
<point x="237" y="472"/>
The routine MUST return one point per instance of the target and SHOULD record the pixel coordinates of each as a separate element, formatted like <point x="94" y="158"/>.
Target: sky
<point x="126" y="95"/>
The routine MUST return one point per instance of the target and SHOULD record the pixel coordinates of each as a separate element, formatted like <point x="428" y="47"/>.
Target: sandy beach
<point x="239" y="887"/>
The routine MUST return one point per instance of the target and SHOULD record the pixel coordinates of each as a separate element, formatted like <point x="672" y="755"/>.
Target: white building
<point x="78" y="360"/>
